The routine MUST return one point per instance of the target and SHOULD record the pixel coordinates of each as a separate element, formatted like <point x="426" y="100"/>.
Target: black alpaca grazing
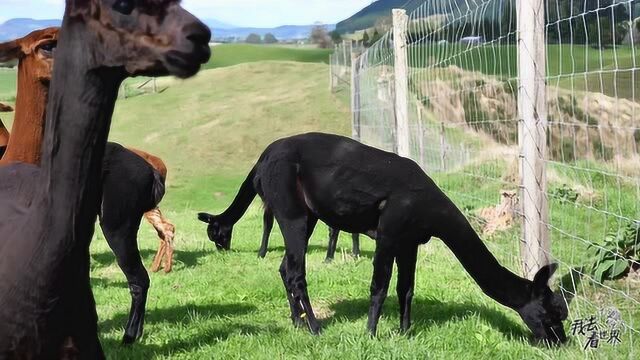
<point x="47" y="214"/>
<point x="268" y="226"/>
<point x="360" y="189"/>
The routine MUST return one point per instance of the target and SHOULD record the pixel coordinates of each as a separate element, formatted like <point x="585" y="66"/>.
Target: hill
<point x="16" y="28"/>
<point x="285" y="32"/>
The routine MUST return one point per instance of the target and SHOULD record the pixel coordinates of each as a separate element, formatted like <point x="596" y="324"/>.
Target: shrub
<point x="613" y="259"/>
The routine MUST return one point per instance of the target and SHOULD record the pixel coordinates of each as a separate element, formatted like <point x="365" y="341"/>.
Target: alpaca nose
<point x="198" y="33"/>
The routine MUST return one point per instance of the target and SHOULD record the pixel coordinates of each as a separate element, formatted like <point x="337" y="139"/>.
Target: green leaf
<point x="619" y="268"/>
<point x="602" y="269"/>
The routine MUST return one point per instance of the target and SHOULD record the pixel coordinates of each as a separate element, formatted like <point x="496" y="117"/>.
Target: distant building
<point x="472" y="40"/>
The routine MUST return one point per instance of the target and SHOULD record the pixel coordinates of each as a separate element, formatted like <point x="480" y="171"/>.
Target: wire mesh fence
<point x="518" y="108"/>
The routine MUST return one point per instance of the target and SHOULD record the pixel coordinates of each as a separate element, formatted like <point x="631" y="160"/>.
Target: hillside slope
<point x="219" y="121"/>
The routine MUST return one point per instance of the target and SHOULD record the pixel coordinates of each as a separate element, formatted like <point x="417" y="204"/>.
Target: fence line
<point x="526" y="114"/>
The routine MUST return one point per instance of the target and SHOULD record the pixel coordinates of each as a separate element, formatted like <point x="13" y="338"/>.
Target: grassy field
<point x="210" y="130"/>
<point x="233" y="54"/>
<point x="611" y="71"/>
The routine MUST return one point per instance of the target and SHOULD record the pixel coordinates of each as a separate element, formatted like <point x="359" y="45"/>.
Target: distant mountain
<point x="366" y="18"/>
<point x="16" y="28"/>
<point x="286" y="32"/>
<point x="216" y="24"/>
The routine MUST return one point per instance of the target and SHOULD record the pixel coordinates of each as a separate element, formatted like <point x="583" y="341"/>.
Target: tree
<point x="335" y="37"/>
<point x="320" y="36"/>
<point x="269" y="38"/>
<point x="253" y="39"/>
<point x="365" y="39"/>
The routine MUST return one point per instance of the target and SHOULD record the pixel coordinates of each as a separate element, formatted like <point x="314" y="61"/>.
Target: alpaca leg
<point x="406" y="261"/>
<point x="281" y="190"/>
<point x="157" y="259"/>
<point x="296" y="234"/>
<point x="382" y="269"/>
<point x="296" y="310"/>
<point x="80" y="310"/>
<point x="267" y="221"/>
<point x="122" y="240"/>
<point x="356" y="245"/>
<point x="166" y="233"/>
<point x="333" y="244"/>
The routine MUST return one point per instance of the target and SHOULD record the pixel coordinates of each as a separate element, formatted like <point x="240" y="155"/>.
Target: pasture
<point x="210" y="130"/>
<point x="575" y="67"/>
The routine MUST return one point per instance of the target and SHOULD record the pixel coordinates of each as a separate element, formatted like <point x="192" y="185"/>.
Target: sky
<point x="254" y="13"/>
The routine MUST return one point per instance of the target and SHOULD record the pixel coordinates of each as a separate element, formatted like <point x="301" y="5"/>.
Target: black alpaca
<point x="333" y="238"/>
<point x="130" y="188"/>
<point x="48" y="214"/>
<point x="360" y="189"/>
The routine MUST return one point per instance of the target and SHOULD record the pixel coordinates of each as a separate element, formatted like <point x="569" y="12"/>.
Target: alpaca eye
<point x="47" y="49"/>
<point x="124" y="7"/>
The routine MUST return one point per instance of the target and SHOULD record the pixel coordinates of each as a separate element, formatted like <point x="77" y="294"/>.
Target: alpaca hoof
<point x="328" y="260"/>
<point x="315" y="329"/>
<point x="128" y="339"/>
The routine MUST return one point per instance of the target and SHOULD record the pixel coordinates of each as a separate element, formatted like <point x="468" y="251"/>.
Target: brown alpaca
<point x="25" y="144"/>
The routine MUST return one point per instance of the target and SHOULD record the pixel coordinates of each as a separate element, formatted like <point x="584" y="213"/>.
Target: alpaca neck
<point x="79" y="114"/>
<point x="25" y="143"/>
<point x="495" y="280"/>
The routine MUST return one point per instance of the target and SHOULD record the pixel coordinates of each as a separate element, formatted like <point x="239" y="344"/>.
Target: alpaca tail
<point x="158" y="189"/>
<point x="240" y="204"/>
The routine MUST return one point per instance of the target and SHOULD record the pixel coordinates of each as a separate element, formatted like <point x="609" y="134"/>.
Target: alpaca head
<point x="546" y="310"/>
<point x="219" y="233"/>
<point x="142" y="37"/>
<point x="34" y="52"/>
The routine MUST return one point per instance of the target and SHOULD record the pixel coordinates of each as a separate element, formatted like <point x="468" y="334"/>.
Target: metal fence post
<point x="532" y="113"/>
<point x="355" y="96"/>
<point x="400" y="25"/>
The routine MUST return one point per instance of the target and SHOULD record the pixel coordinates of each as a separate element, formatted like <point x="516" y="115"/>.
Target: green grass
<point x="7" y="85"/>
<point x="233" y="54"/>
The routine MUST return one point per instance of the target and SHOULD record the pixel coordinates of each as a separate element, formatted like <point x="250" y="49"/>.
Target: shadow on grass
<point x="427" y="313"/>
<point x="177" y="342"/>
<point x="179" y="314"/>
<point x="187" y="259"/>
<point x="313" y="249"/>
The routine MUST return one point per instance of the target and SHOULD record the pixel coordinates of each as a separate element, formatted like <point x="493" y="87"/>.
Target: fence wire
<point x="466" y="132"/>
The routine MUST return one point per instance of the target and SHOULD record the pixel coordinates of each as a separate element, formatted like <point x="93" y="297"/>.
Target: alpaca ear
<point x="10" y="51"/>
<point x="541" y="280"/>
<point x="5" y="108"/>
<point x="205" y="218"/>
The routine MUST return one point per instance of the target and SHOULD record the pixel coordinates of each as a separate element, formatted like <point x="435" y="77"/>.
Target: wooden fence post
<point x="420" y="136"/>
<point x="532" y="113"/>
<point x="443" y="149"/>
<point x="400" y="23"/>
<point x="355" y="97"/>
<point x="331" y="64"/>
